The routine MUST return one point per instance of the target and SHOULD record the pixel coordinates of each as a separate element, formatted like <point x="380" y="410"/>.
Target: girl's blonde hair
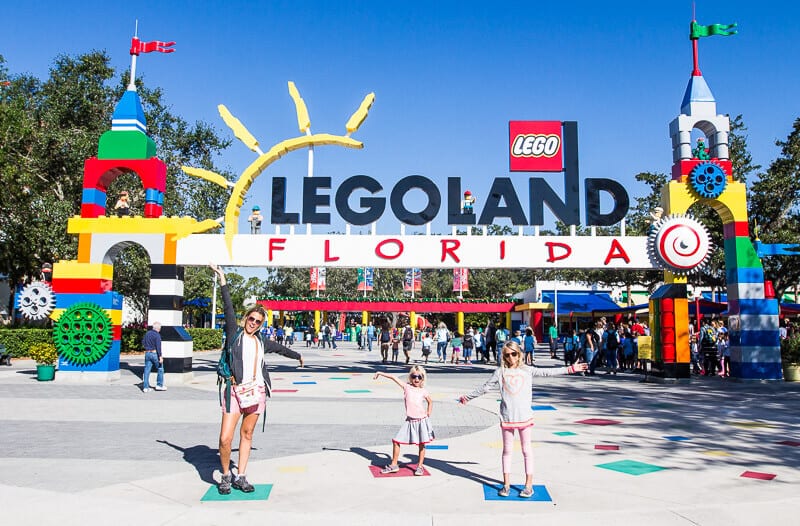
<point x="419" y="370"/>
<point x="513" y="346"/>
<point x="258" y="309"/>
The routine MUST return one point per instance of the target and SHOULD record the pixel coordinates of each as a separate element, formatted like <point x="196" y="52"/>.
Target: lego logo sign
<point x="535" y="146"/>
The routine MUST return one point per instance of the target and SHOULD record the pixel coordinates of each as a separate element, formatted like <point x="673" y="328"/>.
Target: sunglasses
<point x="510" y="354"/>
<point x="251" y="319"/>
<point x="417" y="377"/>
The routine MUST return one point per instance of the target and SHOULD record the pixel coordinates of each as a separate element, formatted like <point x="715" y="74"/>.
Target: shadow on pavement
<point x="450" y="468"/>
<point x="204" y="459"/>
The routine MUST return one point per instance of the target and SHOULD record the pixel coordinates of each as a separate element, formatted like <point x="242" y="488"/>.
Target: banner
<point x="365" y="278"/>
<point x="413" y="280"/>
<point x="318" y="278"/>
<point x="460" y="280"/>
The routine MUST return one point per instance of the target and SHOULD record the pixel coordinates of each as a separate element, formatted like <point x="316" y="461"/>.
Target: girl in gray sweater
<point x="515" y="381"/>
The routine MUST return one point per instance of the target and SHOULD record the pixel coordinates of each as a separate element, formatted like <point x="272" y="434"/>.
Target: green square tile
<point x="261" y="492"/>
<point x="565" y="433"/>
<point x="339" y="378"/>
<point x="631" y="467"/>
<point x="356" y="391"/>
<point x="580" y="405"/>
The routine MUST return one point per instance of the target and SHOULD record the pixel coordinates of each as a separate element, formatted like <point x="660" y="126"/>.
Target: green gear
<point x="83" y="334"/>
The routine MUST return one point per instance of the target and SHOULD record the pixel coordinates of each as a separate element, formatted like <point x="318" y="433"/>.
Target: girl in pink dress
<point x="417" y="427"/>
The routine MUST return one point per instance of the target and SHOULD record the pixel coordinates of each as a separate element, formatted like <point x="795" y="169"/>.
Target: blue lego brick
<point x="107" y="300"/>
<point x="93" y="196"/>
<point x="757" y="371"/>
<point x="754" y="306"/>
<point x="152" y="195"/>
<point x="744" y="275"/>
<point x="765" y="338"/>
<point x="108" y="363"/>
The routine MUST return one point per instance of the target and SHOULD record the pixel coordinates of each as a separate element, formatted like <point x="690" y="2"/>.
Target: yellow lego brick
<point x="175" y="226"/>
<point x="170" y="251"/>
<point x="682" y="353"/>
<point x="676" y="198"/>
<point x="78" y="270"/>
<point x="84" y="248"/>
<point x="732" y="204"/>
<point x="669" y="277"/>
<point x="115" y="315"/>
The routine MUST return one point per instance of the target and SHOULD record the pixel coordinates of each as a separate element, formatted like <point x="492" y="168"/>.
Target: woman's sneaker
<point x="503" y="492"/>
<point x="526" y="493"/>
<point x="242" y="485"/>
<point x="224" y="487"/>
<point x="390" y="469"/>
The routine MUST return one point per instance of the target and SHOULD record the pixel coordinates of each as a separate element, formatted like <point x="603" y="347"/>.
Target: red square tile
<point x="606" y="447"/>
<point x="284" y="390"/>
<point x="757" y="475"/>
<point x="406" y="470"/>
<point x="789" y="443"/>
<point x="598" y="422"/>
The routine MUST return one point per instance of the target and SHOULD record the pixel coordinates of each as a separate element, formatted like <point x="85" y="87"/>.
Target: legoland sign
<point x="534" y="146"/>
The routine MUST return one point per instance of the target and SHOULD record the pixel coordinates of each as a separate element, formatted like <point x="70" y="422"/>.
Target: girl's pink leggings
<point x="525" y="444"/>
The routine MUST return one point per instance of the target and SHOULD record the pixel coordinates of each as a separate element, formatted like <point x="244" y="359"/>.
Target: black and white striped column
<point x="166" y="307"/>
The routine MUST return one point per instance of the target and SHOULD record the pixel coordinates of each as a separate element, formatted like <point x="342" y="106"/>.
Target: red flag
<point x="137" y="46"/>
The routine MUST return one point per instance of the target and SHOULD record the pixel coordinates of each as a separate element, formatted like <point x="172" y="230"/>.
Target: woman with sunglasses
<point x="515" y="381"/>
<point x="244" y="356"/>
<point x="417" y="427"/>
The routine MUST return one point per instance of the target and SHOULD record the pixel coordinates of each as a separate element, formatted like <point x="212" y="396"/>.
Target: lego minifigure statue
<point x="656" y="214"/>
<point x="123" y="206"/>
<point x="255" y="220"/>
<point x="466" y="204"/>
<point x="701" y="152"/>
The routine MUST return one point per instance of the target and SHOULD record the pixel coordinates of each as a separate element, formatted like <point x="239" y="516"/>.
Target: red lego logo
<point x="535" y="146"/>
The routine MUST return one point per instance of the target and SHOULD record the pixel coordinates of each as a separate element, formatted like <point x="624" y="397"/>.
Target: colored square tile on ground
<point x="304" y="383"/>
<point x="757" y="475"/>
<point x="543" y="408"/>
<point x="406" y="470"/>
<point x="606" y="447"/>
<point x="356" y="391"/>
<point x="540" y="493"/>
<point x="436" y="446"/>
<point x="581" y="406"/>
<point x="565" y="433"/>
<point x="598" y="422"/>
<point x="284" y="390"/>
<point x="292" y="469"/>
<point x="261" y="492"/>
<point x="749" y="424"/>
<point x="677" y="438"/>
<point x="789" y="443"/>
<point x="631" y="467"/>
<point x="339" y="378"/>
<point x="717" y="453"/>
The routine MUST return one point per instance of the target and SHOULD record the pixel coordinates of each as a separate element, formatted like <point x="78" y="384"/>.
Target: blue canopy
<point x="581" y="302"/>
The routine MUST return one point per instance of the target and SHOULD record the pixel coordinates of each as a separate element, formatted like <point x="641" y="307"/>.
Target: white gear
<point x="36" y="301"/>
<point x="679" y="243"/>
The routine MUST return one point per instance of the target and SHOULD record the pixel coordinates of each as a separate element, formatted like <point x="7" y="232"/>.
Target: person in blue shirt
<point x="151" y="343"/>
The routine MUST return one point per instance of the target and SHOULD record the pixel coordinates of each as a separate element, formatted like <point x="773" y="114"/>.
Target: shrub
<point x="43" y="353"/>
<point x="131" y="339"/>
<point x="19" y="341"/>
<point x="790" y="350"/>
<point x="206" y="339"/>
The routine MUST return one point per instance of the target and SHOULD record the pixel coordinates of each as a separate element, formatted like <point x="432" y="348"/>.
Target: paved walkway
<point x="111" y="454"/>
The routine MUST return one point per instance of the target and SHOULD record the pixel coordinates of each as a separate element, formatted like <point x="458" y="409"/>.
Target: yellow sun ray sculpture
<point x="264" y="160"/>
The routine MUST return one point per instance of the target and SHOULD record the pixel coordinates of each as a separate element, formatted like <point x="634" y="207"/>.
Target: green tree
<point x="50" y="127"/>
<point x="774" y="201"/>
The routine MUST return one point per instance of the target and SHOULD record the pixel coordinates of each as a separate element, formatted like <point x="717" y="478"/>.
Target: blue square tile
<point x="435" y="446"/>
<point x="677" y="438"/>
<point x="543" y="408"/>
<point x="540" y="493"/>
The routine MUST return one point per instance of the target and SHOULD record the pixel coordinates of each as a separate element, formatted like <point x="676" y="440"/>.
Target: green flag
<point x="697" y="31"/>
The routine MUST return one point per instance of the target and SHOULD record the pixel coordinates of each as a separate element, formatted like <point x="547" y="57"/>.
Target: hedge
<point x="18" y="341"/>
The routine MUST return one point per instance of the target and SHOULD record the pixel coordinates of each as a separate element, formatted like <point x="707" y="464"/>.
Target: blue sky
<point x="448" y="76"/>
